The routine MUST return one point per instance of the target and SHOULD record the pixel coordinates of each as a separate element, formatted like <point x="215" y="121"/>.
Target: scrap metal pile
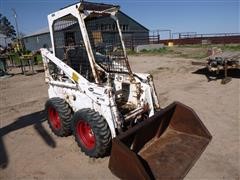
<point x="220" y="61"/>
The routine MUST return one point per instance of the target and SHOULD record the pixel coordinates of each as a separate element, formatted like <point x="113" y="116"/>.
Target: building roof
<point x="134" y="21"/>
<point x="4" y="40"/>
<point x="44" y="30"/>
<point x="94" y="6"/>
<point x="86" y="6"/>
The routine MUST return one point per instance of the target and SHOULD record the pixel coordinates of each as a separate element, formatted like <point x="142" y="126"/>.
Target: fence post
<point x="132" y="44"/>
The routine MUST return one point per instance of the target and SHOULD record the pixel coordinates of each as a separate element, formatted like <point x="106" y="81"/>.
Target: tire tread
<point x="65" y="114"/>
<point x="101" y="131"/>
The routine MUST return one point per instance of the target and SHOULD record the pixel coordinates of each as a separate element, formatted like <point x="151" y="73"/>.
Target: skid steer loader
<point x="94" y="95"/>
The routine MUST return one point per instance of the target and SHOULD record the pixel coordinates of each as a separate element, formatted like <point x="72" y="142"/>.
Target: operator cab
<point x="104" y="37"/>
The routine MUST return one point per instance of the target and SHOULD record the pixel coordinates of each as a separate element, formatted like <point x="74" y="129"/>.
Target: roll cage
<point x="105" y="50"/>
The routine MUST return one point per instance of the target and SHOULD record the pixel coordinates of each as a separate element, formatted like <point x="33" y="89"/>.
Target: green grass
<point x="192" y="46"/>
<point x="16" y="58"/>
<point x="187" y="51"/>
<point x="39" y="58"/>
<point x="193" y="56"/>
<point x="132" y="53"/>
<point x="160" y="51"/>
<point x="196" y="53"/>
<point x="230" y="47"/>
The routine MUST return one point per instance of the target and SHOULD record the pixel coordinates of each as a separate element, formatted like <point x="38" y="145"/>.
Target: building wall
<point x="34" y="43"/>
<point x="131" y="40"/>
<point x="130" y="29"/>
<point x="133" y="25"/>
<point x="4" y="41"/>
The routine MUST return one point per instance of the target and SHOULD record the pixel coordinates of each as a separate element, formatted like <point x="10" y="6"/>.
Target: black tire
<point x="92" y="133"/>
<point x="59" y="115"/>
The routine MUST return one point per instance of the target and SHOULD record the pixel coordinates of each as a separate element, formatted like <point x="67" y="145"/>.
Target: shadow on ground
<point x="36" y="119"/>
<point x="40" y="70"/>
<point x="212" y="76"/>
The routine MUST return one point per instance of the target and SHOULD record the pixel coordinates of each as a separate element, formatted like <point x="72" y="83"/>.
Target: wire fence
<point x="182" y="39"/>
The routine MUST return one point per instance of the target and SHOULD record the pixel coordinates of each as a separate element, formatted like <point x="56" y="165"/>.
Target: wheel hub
<point x="54" y="118"/>
<point x="86" y="134"/>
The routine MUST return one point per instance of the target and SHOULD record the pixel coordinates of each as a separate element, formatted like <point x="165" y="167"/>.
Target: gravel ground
<point x="28" y="149"/>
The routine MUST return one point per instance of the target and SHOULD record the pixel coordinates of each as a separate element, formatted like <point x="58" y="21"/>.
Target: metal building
<point x="131" y="29"/>
<point x="4" y="40"/>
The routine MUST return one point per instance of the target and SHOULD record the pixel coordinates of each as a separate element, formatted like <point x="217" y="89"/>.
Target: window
<point x="69" y="39"/>
<point x="114" y="27"/>
<point x="102" y="26"/>
<point x="111" y="27"/>
<point x="126" y="27"/>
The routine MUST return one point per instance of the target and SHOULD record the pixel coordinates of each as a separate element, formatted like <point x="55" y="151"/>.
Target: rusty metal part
<point x="153" y="92"/>
<point x="133" y="114"/>
<point x="165" y="146"/>
<point x="220" y="61"/>
<point x="226" y="79"/>
<point x="199" y="63"/>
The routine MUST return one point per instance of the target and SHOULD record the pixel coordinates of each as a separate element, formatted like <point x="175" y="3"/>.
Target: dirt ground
<point x="28" y="149"/>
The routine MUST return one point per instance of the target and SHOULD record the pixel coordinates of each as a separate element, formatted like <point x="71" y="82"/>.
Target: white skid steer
<point x="94" y="95"/>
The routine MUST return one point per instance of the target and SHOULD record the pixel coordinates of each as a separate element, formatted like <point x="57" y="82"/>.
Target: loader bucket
<point x="165" y="146"/>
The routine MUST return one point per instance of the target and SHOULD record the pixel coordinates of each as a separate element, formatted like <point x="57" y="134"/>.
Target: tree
<point x="6" y="28"/>
<point x="21" y="35"/>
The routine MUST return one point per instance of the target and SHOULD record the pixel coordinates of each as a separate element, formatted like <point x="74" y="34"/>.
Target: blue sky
<point x="201" y="16"/>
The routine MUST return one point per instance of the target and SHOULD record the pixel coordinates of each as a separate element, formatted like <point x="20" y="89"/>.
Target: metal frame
<point x="220" y="61"/>
<point x="75" y="10"/>
<point x="80" y="93"/>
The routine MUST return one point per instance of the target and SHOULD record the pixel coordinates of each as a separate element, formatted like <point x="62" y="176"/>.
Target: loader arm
<point x="78" y="82"/>
<point x="68" y="71"/>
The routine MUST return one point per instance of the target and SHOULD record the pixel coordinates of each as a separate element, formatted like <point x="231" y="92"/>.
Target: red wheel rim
<point x="54" y="118"/>
<point x="86" y="135"/>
